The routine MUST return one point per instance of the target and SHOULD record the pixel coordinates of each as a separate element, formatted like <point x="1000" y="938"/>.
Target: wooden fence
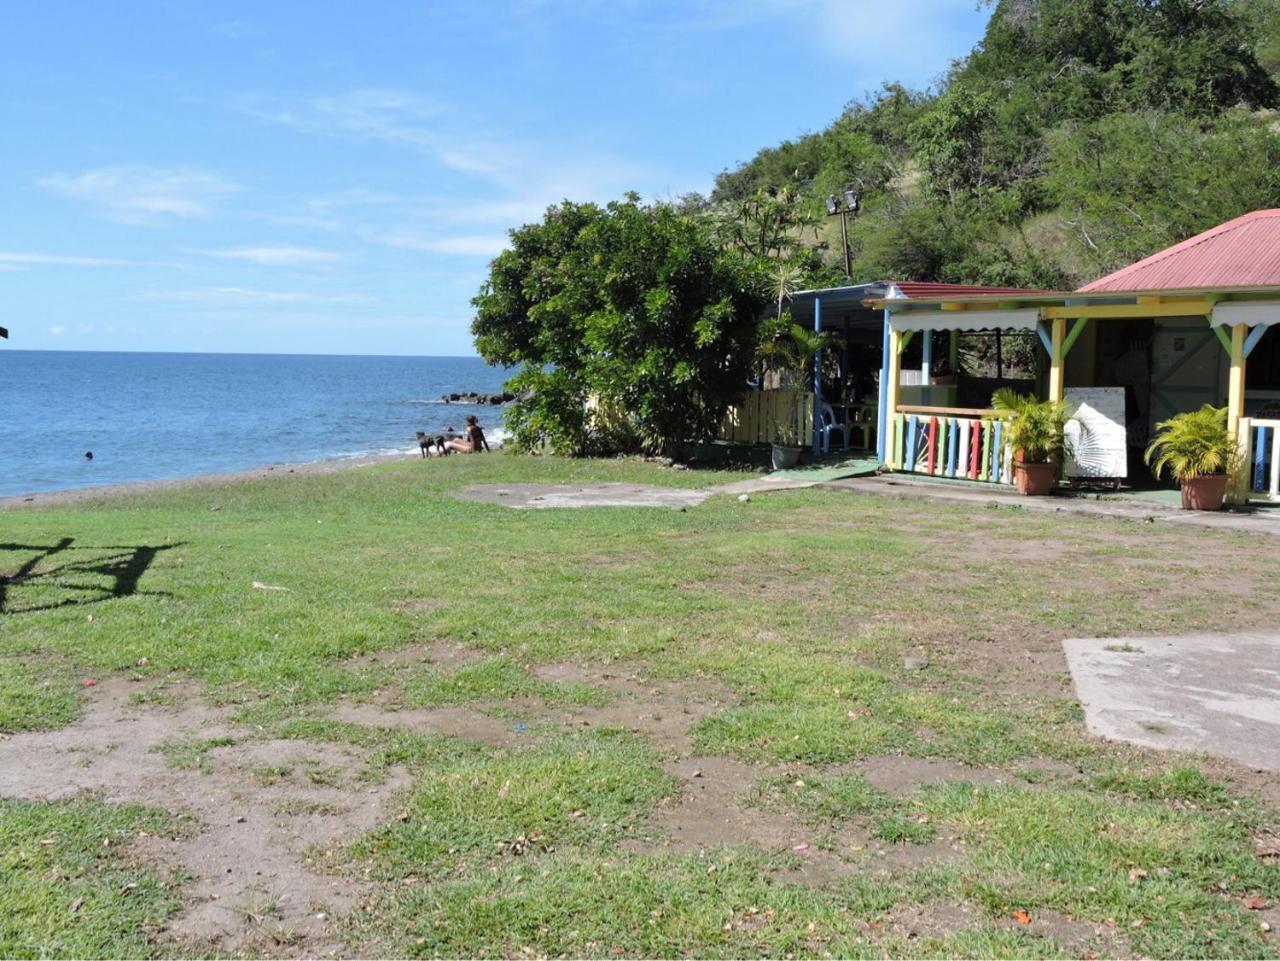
<point x="771" y="417"/>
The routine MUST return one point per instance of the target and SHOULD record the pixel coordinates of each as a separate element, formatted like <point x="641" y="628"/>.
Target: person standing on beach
<point x="474" y="440"/>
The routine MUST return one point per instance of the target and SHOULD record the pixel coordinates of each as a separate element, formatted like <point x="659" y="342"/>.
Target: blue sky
<point x="333" y="177"/>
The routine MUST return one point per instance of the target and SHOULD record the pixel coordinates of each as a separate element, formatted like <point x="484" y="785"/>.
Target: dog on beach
<point x="428" y="444"/>
<point x="437" y="444"/>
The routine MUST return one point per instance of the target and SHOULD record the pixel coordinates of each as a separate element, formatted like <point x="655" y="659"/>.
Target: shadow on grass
<point x="108" y="572"/>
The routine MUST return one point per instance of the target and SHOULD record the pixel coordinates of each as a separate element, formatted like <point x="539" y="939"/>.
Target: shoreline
<point x="72" y="495"/>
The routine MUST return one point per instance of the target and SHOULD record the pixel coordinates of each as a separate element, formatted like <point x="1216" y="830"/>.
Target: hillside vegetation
<point x="1077" y="137"/>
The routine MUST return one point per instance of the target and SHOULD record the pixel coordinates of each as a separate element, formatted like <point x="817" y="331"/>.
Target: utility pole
<point x="844" y="205"/>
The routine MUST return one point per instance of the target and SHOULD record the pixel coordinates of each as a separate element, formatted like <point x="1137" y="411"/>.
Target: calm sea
<point x="149" y="416"/>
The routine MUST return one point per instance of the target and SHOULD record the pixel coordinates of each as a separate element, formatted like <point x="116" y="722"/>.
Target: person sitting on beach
<point x="473" y="441"/>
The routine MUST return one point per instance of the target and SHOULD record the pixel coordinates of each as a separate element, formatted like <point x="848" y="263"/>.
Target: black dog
<point x="426" y="443"/>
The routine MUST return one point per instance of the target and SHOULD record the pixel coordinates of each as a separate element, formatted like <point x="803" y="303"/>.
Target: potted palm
<point x="1198" y="451"/>
<point x="1036" y="430"/>
<point x="790" y="349"/>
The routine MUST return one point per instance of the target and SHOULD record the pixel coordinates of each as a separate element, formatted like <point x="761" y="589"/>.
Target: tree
<point x="1133" y="183"/>
<point x="633" y="329"/>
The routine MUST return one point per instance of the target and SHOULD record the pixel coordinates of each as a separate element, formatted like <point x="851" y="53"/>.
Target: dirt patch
<point x="418" y="605"/>
<point x="664" y="712"/>
<point x="901" y="776"/>
<point x="710" y="812"/>
<point x="443" y="655"/>
<point x="541" y="496"/>
<point x="939" y="919"/>
<point x="452" y="721"/>
<point x="256" y="887"/>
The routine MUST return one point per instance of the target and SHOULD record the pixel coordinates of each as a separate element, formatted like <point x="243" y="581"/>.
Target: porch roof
<point x="858" y="306"/>
<point x="1248" y="305"/>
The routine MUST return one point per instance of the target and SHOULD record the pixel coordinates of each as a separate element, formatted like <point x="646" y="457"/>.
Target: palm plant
<point x="1193" y="444"/>
<point x="789" y="347"/>
<point x="1035" y="429"/>
<point x="784" y="282"/>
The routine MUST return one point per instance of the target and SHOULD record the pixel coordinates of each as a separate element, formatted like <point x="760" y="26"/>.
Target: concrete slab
<point x="537" y="496"/>
<point x="1255" y="520"/>
<point x="1215" y="693"/>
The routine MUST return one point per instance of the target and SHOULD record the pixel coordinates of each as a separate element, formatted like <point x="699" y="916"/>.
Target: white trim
<point x="1024" y="319"/>
<point x="1252" y="313"/>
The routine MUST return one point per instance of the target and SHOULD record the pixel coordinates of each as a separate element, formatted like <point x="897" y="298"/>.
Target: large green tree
<point x="632" y="327"/>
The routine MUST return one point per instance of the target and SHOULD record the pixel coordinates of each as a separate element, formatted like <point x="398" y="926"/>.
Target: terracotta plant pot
<point x="1034" y="480"/>
<point x="1204" y="492"/>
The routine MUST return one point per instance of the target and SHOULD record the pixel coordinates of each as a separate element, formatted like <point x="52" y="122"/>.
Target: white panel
<point x="1025" y="319"/>
<point x="1097" y="432"/>
<point x="1254" y="313"/>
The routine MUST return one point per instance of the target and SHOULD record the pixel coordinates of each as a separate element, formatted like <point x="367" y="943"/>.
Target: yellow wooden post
<point x="1057" y="360"/>
<point x="1235" y="411"/>
<point x="1235" y="386"/>
<point x="891" y="392"/>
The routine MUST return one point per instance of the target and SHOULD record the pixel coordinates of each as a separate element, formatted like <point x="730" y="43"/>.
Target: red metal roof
<point x="912" y="289"/>
<point x="1244" y="252"/>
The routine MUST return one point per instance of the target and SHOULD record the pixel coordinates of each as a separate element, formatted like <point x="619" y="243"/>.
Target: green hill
<point x="1076" y="137"/>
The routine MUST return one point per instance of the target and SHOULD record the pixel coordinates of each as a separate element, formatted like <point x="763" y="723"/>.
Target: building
<point x="1187" y="326"/>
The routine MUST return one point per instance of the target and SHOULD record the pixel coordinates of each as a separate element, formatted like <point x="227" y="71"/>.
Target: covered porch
<point x="1167" y="351"/>
<point x="845" y="409"/>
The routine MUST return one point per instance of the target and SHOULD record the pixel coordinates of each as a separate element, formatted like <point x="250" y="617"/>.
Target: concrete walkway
<point x="1219" y="694"/>
<point x="541" y="496"/>
<point x="899" y="485"/>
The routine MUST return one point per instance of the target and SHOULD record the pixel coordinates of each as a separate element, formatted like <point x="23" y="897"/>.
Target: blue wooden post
<point x="882" y="412"/>
<point x="1260" y="449"/>
<point x="817" y="381"/>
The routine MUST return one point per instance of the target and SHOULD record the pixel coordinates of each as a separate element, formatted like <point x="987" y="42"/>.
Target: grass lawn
<point x="348" y="713"/>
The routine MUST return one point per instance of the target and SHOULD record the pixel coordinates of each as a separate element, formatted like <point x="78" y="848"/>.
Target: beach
<point x="78" y="495"/>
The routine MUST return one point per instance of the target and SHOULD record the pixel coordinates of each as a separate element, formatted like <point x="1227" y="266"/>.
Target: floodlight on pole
<point x="847" y="203"/>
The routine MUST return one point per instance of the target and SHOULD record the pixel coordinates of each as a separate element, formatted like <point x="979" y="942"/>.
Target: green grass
<point x="832" y="800"/>
<point x="495" y="679"/>
<point x="33" y="700"/>
<point x="474" y="807"/>
<point x="1163" y="875"/>
<point x="192" y="753"/>
<point x="69" y="886"/>
<point x="794" y="611"/>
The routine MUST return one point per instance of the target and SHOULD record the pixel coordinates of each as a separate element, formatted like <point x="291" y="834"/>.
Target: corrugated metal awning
<point x="1025" y="319"/>
<point x="1253" y="313"/>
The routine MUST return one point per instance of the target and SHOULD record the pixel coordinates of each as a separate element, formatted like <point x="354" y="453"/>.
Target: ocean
<point x="151" y="416"/>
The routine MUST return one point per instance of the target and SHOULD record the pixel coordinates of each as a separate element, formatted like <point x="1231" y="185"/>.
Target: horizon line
<point x="225" y="353"/>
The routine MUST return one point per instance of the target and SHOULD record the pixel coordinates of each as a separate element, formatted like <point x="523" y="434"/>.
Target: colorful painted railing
<point x="950" y="446"/>
<point x="1261" y="450"/>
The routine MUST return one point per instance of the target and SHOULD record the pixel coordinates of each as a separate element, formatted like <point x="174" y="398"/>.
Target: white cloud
<point x="58" y="330"/>
<point x="922" y="33"/>
<point x="282" y="256"/>
<point x="390" y="116"/>
<point x="463" y="245"/>
<point x="11" y="260"/>
<point x="247" y="295"/>
<point x="141" y="194"/>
